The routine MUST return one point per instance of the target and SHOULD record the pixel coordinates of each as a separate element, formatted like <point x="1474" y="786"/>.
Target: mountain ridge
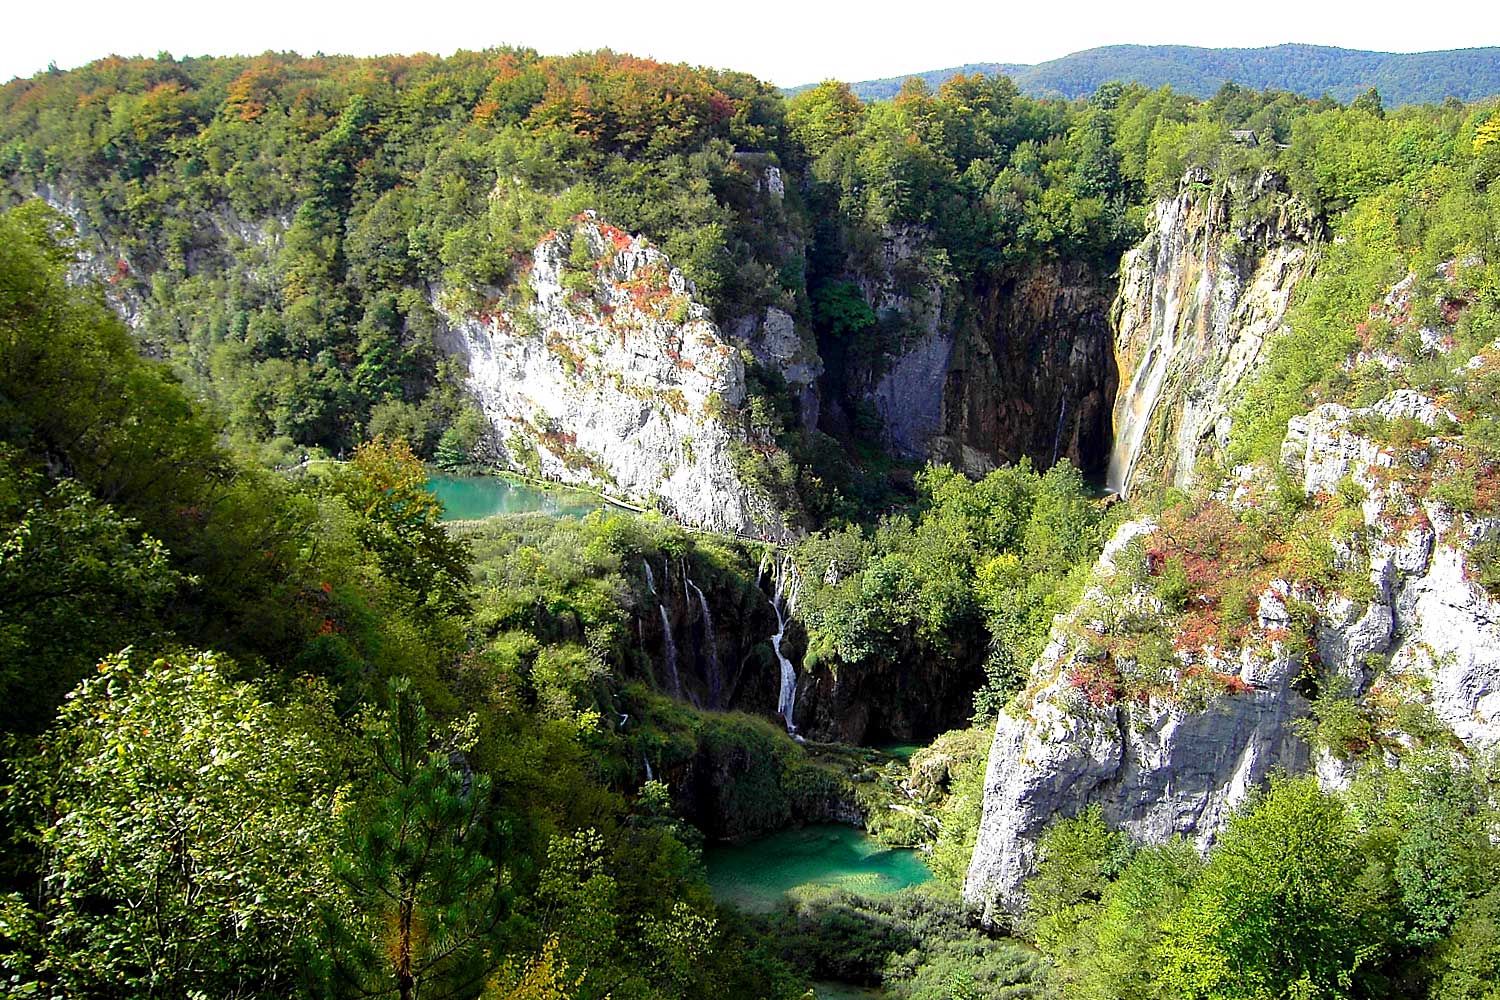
<point x="1313" y="70"/>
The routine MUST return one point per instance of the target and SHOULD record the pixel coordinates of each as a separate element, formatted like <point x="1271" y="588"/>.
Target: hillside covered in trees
<point x="1310" y="70"/>
<point x="273" y="728"/>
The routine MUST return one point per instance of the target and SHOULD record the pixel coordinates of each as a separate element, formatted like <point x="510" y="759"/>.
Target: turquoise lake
<point x="469" y="498"/>
<point x="758" y="875"/>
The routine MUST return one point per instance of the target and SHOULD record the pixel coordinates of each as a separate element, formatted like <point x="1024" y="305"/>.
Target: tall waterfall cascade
<point x="786" y="585"/>
<point x="1062" y="416"/>
<point x="669" y="651"/>
<point x="1135" y="417"/>
<point x="1135" y="404"/>
<point x="710" y="644"/>
<point x="1198" y="300"/>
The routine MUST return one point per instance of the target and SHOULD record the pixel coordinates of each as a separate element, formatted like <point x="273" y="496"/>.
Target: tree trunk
<point x="404" y="982"/>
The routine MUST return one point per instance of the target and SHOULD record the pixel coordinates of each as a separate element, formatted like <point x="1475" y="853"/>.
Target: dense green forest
<point x="1386" y="890"/>
<point x="286" y="733"/>
<point x="276" y="226"/>
<point x="1311" y="70"/>
<point x="391" y="774"/>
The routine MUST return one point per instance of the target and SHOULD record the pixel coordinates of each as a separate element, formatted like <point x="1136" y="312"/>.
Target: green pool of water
<point x="758" y="875"/>
<point x="901" y="751"/>
<point x="467" y="498"/>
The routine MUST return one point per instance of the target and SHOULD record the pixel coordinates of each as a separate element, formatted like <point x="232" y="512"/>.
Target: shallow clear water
<point x="757" y="876"/>
<point x="467" y="498"/>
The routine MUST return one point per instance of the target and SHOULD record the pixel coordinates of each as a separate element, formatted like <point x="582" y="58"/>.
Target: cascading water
<point x="668" y="641"/>
<point x="647" y="761"/>
<point x="1193" y="292"/>
<point x="715" y="682"/>
<point x="1135" y="403"/>
<point x="783" y="601"/>
<point x="669" y="647"/>
<point x="1145" y="390"/>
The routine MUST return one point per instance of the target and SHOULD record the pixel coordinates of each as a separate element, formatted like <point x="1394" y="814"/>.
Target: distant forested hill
<point x="1314" y="70"/>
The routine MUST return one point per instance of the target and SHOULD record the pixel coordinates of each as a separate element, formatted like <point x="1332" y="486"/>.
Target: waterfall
<point x="670" y="646"/>
<point x="650" y="576"/>
<point x="1163" y="312"/>
<point x="783" y="601"/>
<point x="1057" y="437"/>
<point x="647" y="761"/>
<point x="715" y="683"/>
<point x="1145" y="390"/>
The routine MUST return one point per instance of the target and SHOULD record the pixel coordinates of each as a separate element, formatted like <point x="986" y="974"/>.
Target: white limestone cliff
<point x="1197" y="300"/>
<point x="1424" y="632"/>
<point x="603" y="370"/>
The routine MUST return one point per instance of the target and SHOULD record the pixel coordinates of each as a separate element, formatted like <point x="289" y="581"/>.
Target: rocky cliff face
<point x="773" y="335"/>
<point x="1428" y="617"/>
<point x="776" y="342"/>
<point x="1159" y="763"/>
<point x="603" y="370"/>
<point x="906" y="390"/>
<point x="1168" y="740"/>
<point x="218" y="234"/>
<point x="1018" y="365"/>
<point x="900" y="700"/>
<point x="1197" y="300"/>
<point x="1031" y="373"/>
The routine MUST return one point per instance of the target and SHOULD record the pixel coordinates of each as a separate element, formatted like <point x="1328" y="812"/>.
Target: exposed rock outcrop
<point x="909" y="299"/>
<point x="604" y="371"/>
<point x="1157" y="766"/>
<point x="1018" y="364"/>
<point x="1176" y="747"/>
<point x="898" y="698"/>
<point x="776" y="342"/>
<point x="217" y="234"/>
<point x="1198" y="299"/>
<point x="1031" y="374"/>
<point x="1428" y="618"/>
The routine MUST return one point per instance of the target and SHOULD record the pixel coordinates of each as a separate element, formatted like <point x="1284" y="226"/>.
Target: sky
<point x="786" y="42"/>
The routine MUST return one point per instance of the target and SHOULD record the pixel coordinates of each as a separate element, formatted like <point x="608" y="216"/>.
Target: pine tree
<point x="423" y="899"/>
